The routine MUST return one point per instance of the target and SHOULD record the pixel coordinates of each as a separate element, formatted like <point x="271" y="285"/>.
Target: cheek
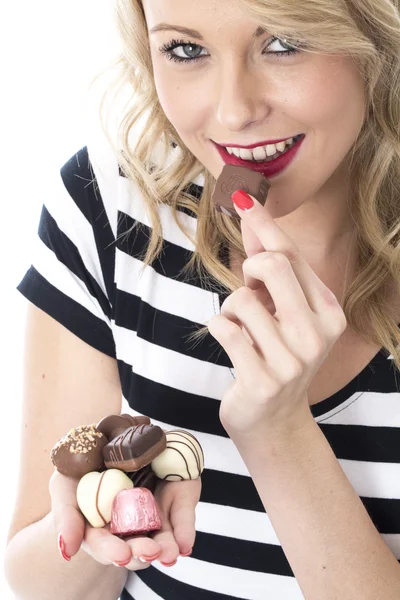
<point x="330" y="96"/>
<point x="183" y="104"/>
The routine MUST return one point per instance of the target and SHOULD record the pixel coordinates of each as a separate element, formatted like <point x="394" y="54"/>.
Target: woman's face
<point x="239" y="93"/>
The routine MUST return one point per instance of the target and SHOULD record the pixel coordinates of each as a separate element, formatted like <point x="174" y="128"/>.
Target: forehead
<point x="181" y="12"/>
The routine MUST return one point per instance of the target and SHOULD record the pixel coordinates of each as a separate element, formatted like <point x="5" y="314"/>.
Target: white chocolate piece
<point x="183" y="457"/>
<point x="95" y="494"/>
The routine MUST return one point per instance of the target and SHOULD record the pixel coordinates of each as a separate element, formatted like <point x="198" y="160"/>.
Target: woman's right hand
<point x="176" y="503"/>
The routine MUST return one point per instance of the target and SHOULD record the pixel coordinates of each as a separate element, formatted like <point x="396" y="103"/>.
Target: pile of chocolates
<point x="118" y="462"/>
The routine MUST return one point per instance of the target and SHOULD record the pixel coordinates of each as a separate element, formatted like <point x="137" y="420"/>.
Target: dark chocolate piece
<point x="79" y="452"/>
<point x="235" y="178"/>
<point x="135" y="448"/>
<point x="114" y="425"/>
<point x="144" y="478"/>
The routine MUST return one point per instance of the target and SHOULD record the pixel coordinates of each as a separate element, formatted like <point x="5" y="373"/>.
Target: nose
<point x="242" y="98"/>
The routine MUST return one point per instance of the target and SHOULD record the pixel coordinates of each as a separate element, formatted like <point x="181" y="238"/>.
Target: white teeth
<point x="270" y="149"/>
<point x="246" y="154"/>
<point x="261" y="152"/>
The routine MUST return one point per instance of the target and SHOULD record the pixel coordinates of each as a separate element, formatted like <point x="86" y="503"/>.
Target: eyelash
<point x="173" y="44"/>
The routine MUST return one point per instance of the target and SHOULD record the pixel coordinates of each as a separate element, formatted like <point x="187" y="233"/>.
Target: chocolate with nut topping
<point x="79" y="452"/>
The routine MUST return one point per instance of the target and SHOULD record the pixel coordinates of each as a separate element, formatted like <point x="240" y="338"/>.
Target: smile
<point x="270" y="160"/>
<point x="263" y="153"/>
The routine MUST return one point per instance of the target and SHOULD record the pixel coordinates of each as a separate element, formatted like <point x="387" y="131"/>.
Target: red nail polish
<point x="61" y="547"/>
<point x="242" y="200"/>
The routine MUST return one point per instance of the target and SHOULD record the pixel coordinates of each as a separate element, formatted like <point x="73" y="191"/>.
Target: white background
<point x="49" y="52"/>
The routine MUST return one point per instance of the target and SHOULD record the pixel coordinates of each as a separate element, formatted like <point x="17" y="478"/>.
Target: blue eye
<point x="195" y="49"/>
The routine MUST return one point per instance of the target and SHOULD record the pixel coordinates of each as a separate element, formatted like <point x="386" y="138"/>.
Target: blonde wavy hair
<point x="366" y="30"/>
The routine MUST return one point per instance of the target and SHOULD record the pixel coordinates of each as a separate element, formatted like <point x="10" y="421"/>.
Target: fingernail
<point x="61" y="547"/>
<point x="242" y="200"/>
<point x="169" y="564"/>
<point x="187" y="553"/>
<point x="149" y="558"/>
<point x="122" y="563"/>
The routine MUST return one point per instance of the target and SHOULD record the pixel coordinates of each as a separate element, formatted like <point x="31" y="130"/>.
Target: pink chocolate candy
<point x="134" y="511"/>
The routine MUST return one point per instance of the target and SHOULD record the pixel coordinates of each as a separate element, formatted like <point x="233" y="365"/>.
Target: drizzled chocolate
<point x="113" y="425"/>
<point x="182" y="459"/>
<point x="135" y="448"/>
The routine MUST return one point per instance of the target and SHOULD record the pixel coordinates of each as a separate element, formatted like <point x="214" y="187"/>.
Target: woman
<point x="291" y="391"/>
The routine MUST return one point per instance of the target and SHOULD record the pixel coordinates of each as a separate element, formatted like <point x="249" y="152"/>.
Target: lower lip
<point x="268" y="169"/>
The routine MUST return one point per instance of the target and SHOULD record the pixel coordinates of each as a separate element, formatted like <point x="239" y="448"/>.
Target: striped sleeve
<point x="71" y="277"/>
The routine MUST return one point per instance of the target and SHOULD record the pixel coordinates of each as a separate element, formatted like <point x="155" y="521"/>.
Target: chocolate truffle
<point x="96" y="492"/>
<point x="134" y="511"/>
<point x="113" y="425"/>
<point x="79" y="452"/>
<point x="135" y="448"/>
<point x="182" y="459"/>
<point x="235" y="178"/>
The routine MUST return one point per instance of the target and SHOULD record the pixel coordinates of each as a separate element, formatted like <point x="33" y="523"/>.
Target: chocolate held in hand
<point x="182" y="459"/>
<point x="235" y="178"/>
<point x="134" y="511"/>
<point x="144" y="478"/>
<point x="135" y="448"/>
<point x="79" y="452"/>
<point x="114" y="425"/>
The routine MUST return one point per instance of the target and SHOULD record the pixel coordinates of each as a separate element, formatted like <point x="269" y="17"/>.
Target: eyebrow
<point x="192" y="32"/>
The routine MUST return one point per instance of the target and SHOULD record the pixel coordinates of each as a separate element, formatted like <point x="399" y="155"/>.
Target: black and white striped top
<point x="86" y="274"/>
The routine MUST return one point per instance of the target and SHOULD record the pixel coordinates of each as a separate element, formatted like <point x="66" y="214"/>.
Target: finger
<point x="165" y="536"/>
<point x="105" y="547"/>
<point x="274" y="239"/>
<point x="69" y="522"/>
<point x="244" y="308"/>
<point x="276" y="273"/>
<point x="251" y="243"/>
<point x="183" y="514"/>
<point x="243" y="354"/>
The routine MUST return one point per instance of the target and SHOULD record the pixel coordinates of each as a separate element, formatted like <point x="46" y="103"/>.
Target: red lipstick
<point x="268" y="168"/>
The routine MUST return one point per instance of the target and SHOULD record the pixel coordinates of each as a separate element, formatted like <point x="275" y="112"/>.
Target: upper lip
<point x="266" y="143"/>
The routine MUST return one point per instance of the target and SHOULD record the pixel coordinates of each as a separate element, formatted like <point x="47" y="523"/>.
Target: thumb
<point x="68" y="519"/>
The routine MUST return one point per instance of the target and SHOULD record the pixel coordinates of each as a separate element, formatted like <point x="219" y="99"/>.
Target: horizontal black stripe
<point x="133" y="238"/>
<point x="168" y="331"/>
<point x="80" y="182"/>
<point x="238" y="491"/>
<point x="357" y="442"/>
<point x="241" y="554"/>
<point x="68" y="254"/>
<point x="66" y="311"/>
<point x="169" y="588"/>
<point x="161" y="402"/>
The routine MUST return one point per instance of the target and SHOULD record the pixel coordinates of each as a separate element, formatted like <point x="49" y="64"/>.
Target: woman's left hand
<point x="275" y="356"/>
